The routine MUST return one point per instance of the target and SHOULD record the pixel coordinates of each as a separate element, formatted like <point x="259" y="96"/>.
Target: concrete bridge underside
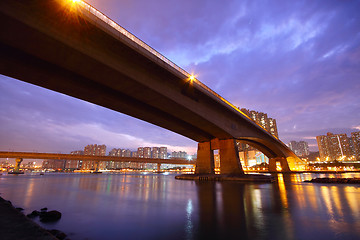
<point x="65" y="48"/>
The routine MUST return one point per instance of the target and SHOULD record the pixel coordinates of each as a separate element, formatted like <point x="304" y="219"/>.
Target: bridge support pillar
<point x="283" y="163"/>
<point x="205" y="159"/>
<point x="97" y="166"/>
<point x="17" y="166"/>
<point x="229" y="157"/>
<point x="158" y="167"/>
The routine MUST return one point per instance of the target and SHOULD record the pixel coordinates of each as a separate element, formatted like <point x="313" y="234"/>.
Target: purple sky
<point x="298" y="61"/>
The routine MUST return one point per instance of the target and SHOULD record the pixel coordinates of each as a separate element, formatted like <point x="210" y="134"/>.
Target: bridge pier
<point x="283" y="163"/>
<point x="17" y="166"/>
<point x="97" y="167"/>
<point x="159" y="167"/>
<point x="205" y="159"/>
<point x="229" y="157"/>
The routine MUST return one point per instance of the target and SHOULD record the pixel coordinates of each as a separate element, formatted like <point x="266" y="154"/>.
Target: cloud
<point x="297" y="61"/>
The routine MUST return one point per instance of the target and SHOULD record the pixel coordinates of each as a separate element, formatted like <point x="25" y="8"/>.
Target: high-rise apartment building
<point x="95" y="150"/>
<point x="74" y="164"/>
<point x="55" y="164"/>
<point x="263" y="120"/>
<point x="116" y="152"/>
<point x="334" y="147"/>
<point x="147" y="152"/>
<point x="248" y="154"/>
<point x="301" y="148"/>
<point x="355" y="137"/>
<point x="155" y="152"/>
<point x="180" y="154"/>
<point x="159" y="152"/>
<point x="163" y="153"/>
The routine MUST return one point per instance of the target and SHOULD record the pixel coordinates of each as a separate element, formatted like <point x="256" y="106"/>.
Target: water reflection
<point x="156" y="206"/>
<point x="288" y="209"/>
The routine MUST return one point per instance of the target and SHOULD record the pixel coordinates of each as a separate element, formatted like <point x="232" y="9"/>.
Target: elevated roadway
<point x="72" y="48"/>
<point x="34" y="155"/>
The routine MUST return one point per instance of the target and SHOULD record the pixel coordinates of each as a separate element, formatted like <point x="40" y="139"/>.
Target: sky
<point x="297" y="61"/>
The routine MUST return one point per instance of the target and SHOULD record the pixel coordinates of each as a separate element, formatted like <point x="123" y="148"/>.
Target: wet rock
<point x="44" y="209"/>
<point x="50" y="216"/>
<point x="19" y="209"/>
<point x="58" y="234"/>
<point x="33" y="214"/>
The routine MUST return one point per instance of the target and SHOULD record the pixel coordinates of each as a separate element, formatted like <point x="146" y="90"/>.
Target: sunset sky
<point x="298" y="61"/>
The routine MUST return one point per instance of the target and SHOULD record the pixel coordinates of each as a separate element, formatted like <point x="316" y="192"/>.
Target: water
<point x="156" y="206"/>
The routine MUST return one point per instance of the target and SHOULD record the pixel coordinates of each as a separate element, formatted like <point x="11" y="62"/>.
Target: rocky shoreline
<point x="335" y="180"/>
<point x="15" y="225"/>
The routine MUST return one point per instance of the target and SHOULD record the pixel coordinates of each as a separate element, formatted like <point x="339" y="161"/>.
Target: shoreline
<point x="15" y="225"/>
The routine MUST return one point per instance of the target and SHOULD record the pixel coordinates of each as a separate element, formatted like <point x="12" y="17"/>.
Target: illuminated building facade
<point x="74" y="164"/>
<point x="249" y="156"/>
<point x="95" y="150"/>
<point x="301" y="148"/>
<point x="180" y="154"/>
<point x="163" y="153"/>
<point x="334" y="147"/>
<point x="263" y="120"/>
<point x="355" y="137"/>
<point x="118" y="152"/>
<point x="54" y="164"/>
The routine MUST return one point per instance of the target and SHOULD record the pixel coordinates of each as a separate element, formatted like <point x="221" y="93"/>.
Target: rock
<point x="33" y="214"/>
<point x="58" y="234"/>
<point x="19" y="209"/>
<point x="44" y="209"/>
<point x="50" y="216"/>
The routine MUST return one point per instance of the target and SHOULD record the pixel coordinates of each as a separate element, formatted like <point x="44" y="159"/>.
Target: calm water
<point x="156" y="206"/>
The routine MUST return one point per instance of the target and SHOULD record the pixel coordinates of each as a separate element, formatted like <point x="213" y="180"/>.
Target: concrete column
<point x="17" y="166"/>
<point x="205" y="159"/>
<point x="229" y="157"/>
<point x="283" y="163"/>
<point x="272" y="164"/>
<point x="97" y="166"/>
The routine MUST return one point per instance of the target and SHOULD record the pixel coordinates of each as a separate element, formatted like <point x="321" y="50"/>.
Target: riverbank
<point x="15" y="225"/>
<point x="335" y="180"/>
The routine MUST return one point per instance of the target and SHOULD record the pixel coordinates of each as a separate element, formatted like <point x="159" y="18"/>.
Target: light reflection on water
<point x="156" y="206"/>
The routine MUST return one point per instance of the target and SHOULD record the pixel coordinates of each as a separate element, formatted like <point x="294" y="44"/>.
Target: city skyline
<point x="308" y="81"/>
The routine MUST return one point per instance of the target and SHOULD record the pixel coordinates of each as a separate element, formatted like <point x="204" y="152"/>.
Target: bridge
<point x="72" y="48"/>
<point x="19" y="156"/>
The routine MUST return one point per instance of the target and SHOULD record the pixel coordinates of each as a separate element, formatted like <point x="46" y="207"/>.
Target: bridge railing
<point x="143" y="45"/>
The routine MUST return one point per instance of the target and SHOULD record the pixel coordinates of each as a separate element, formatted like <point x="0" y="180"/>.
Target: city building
<point x="301" y="149"/>
<point x="95" y="150"/>
<point x="334" y="147"/>
<point x="54" y="164"/>
<point x="180" y="154"/>
<point x="263" y="120"/>
<point x="163" y="153"/>
<point x="250" y="156"/>
<point x="115" y="152"/>
<point x="355" y="137"/>
<point x="155" y="152"/>
<point x="74" y="164"/>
